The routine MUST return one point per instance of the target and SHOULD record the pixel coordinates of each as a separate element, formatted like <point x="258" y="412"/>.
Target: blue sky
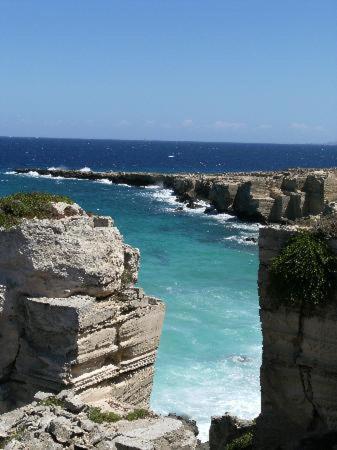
<point x="222" y="70"/>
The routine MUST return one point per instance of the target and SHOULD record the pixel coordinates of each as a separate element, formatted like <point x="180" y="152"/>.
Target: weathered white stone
<point x="69" y="312"/>
<point x="299" y="366"/>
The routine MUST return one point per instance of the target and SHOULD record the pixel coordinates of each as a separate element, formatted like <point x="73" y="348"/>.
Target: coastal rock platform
<point x="266" y="197"/>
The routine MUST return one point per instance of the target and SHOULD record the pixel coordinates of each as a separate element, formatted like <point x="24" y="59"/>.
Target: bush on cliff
<point x="29" y="205"/>
<point x="243" y="442"/>
<point x="96" y="415"/>
<point x="303" y="273"/>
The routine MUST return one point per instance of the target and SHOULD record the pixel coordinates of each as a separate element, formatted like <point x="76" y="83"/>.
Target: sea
<point x="202" y="266"/>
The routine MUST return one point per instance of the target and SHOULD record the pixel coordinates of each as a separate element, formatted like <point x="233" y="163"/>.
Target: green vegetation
<point x="53" y="401"/>
<point x="29" y="205"/>
<point x="137" y="414"/>
<point x="98" y="416"/>
<point x="302" y="274"/>
<point x="17" y="435"/>
<point x="243" y="442"/>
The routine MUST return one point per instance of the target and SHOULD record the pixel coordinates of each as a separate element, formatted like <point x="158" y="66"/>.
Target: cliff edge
<point x="74" y="325"/>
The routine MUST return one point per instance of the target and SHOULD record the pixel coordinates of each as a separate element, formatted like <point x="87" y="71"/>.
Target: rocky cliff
<point x="70" y="313"/>
<point x="299" y="367"/>
<point x="72" y="319"/>
<point x="260" y="196"/>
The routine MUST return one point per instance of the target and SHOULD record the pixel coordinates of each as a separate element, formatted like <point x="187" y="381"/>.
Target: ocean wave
<point x="152" y="186"/>
<point x="34" y="174"/>
<point x="246" y="226"/>
<point x="85" y="169"/>
<point x="241" y="240"/>
<point x="52" y="169"/>
<point x="202" y="392"/>
<point x="228" y="220"/>
<point x="223" y="217"/>
<point x="104" y="181"/>
<point x="165" y="195"/>
<point x="11" y="172"/>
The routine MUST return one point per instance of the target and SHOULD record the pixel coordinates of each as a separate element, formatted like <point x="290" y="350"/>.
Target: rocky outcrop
<point x="259" y="196"/>
<point x="299" y="366"/>
<point x="226" y="429"/>
<point x="54" y="424"/>
<point x="70" y="315"/>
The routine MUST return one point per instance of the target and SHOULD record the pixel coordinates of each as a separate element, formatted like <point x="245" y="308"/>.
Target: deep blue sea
<point x="200" y="265"/>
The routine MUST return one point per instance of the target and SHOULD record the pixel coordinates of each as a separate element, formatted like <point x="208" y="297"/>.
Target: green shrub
<point x="17" y="435"/>
<point x="29" y="205"/>
<point x="243" y="442"/>
<point x="98" y="416"/>
<point x="302" y="274"/>
<point x="53" y="401"/>
<point x="137" y="414"/>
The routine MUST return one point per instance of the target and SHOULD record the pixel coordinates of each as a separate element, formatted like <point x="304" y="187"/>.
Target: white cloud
<point x="304" y="126"/>
<point x="221" y="124"/>
<point x="187" y="123"/>
<point x="299" y="126"/>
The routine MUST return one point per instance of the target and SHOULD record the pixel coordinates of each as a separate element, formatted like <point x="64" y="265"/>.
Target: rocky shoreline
<point x="265" y="197"/>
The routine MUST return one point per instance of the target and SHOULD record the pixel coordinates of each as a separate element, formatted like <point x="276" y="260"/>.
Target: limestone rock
<point x="52" y="427"/>
<point x="225" y="429"/>
<point x="261" y="196"/>
<point x="299" y="369"/>
<point x="70" y="315"/>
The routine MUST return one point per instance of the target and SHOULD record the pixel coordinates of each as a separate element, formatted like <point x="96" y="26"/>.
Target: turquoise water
<point x="206" y="273"/>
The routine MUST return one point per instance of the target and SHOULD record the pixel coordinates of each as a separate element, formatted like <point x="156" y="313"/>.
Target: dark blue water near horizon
<point x="162" y="156"/>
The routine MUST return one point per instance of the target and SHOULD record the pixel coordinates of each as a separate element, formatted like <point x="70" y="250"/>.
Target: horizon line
<point x="169" y="140"/>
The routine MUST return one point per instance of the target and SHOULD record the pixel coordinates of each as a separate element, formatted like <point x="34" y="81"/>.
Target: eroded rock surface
<point x="70" y="315"/>
<point x="44" y="426"/>
<point x="299" y="366"/>
<point x="260" y="196"/>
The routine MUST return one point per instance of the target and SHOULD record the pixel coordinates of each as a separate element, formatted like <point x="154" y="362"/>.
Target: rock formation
<point x="260" y="196"/>
<point x="56" y="423"/>
<point x="78" y="340"/>
<point x="299" y="367"/>
<point x="70" y="315"/>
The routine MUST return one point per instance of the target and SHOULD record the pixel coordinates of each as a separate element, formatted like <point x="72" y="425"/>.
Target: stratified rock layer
<point x="299" y="366"/>
<point x="261" y="196"/>
<point x="70" y="316"/>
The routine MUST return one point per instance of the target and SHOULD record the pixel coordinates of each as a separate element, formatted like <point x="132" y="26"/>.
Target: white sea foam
<point x="152" y="186"/>
<point x="223" y="217"/>
<point x="85" y="169"/>
<point x="246" y="226"/>
<point x="165" y="195"/>
<point x="240" y="240"/>
<point x="32" y="173"/>
<point x="52" y="169"/>
<point x="202" y="392"/>
<point x="11" y="172"/>
<point x="104" y="181"/>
